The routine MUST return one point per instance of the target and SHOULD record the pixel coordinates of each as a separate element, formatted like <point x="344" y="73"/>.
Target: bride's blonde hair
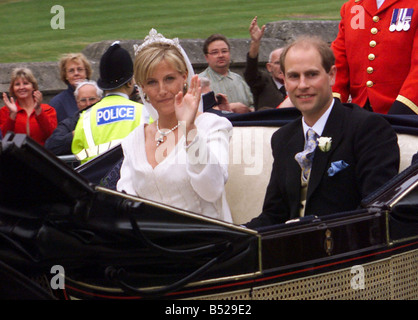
<point x="149" y="57"/>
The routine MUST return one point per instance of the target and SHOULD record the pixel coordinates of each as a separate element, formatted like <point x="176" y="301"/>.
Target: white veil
<point x="153" y="37"/>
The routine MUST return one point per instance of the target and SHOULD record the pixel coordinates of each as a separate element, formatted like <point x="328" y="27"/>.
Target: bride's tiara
<point x="155" y="37"/>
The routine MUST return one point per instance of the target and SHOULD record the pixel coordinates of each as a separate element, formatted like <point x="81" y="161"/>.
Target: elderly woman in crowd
<point x="87" y="93"/>
<point x="181" y="159"/>
<point x="24" y="112"/>
<point x="74" y="68"/>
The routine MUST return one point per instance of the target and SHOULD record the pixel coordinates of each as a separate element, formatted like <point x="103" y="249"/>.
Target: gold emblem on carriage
<point x="328" y="242"/>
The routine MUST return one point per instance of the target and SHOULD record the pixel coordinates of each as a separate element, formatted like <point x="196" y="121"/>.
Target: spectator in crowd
<point x="210" y="101"/>
<point x="24" y="111"/>
<point x="106" y="123"/>
<point x="181" y="158"/>
<point x="217" y="54"/>
<point x="87" y="93"/>
<point x="332" y="157"/>
<point x="376" y="52"/>
<point x="267" y="88"/>
<point x="74" y="68"/>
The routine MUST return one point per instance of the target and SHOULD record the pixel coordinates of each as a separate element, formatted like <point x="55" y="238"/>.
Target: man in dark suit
<point x="357" y="152"/>
<point x="267" y="87"/>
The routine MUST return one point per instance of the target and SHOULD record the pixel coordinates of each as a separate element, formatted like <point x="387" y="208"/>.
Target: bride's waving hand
<point x="186" y="106"/>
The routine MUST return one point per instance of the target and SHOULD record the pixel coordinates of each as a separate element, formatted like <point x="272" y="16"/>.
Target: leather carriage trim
<point x="106" y="291"/>
<point x="404" y="193"/>
<point x="253" y="281"/>
<point x="176" y="210"/>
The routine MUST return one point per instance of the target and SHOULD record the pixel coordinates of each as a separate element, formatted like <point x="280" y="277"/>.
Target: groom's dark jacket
<point x="363" y="140"/>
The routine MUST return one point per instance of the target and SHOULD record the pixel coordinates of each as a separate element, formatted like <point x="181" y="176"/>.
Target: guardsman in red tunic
<point x="376" y="54"/>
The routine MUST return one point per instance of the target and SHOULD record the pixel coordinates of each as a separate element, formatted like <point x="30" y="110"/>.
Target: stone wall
<point x="277" y="34"/>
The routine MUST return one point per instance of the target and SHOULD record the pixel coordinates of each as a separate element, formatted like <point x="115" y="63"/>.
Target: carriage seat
<point x="250" y="162"/>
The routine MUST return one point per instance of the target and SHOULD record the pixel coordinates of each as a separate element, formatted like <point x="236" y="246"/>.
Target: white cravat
<point x="379" y="3"/>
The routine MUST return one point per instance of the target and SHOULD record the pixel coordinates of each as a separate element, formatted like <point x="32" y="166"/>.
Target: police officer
<point x="105" y="124"/>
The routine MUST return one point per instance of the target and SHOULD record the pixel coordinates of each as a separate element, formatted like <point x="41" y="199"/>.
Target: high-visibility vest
<point x="104" y="125"/>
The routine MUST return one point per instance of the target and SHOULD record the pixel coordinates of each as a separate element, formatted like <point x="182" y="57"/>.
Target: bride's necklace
<point x="163" y="134"/>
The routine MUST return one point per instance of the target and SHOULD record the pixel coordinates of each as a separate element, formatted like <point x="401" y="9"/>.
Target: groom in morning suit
<point x="362" y="154"/>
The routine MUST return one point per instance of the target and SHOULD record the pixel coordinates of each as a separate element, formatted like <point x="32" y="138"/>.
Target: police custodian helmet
<point x="116" y="68"/>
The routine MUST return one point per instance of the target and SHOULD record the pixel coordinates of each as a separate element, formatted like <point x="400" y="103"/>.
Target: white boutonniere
<point x="324" y="143"/>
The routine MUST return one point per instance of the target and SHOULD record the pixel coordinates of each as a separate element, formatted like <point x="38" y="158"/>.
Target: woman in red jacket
<point x="24" y="112"/>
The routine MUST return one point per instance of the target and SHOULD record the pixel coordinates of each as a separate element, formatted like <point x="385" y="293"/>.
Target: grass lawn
<point x="27" y="35"/>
